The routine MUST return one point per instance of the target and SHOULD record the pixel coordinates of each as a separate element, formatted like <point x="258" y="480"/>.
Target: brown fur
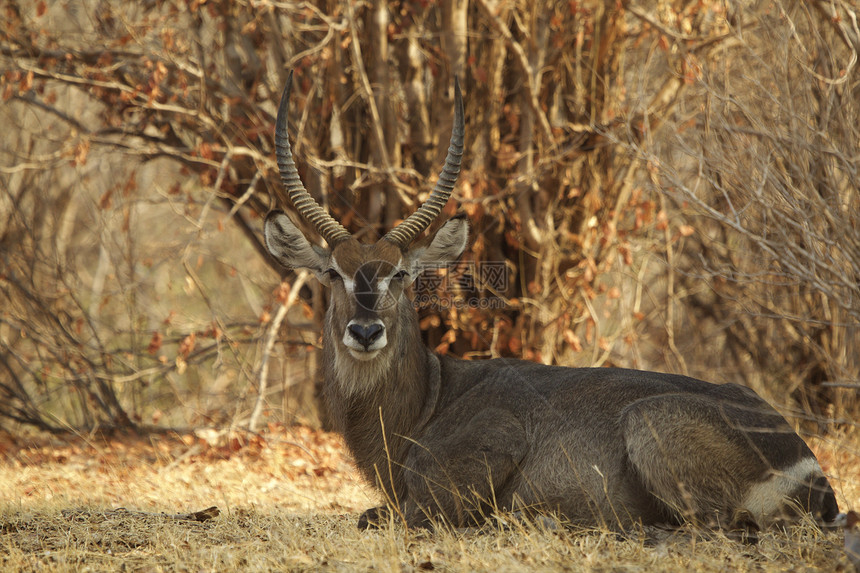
<point x="457" y="440"/>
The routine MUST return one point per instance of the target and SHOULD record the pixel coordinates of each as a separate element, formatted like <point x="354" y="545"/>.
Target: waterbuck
<point x="455" y="440"/>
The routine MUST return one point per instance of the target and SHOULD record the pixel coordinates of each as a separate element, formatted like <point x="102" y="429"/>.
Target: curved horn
<point x="405" y="232"/>
<point x="332" y="231"/>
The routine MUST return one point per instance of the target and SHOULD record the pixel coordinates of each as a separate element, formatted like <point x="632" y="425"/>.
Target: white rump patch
<point x="765" y="499"/>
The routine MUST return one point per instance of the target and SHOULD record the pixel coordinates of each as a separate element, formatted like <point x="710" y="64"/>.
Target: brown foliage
<point x="672" y="188"/>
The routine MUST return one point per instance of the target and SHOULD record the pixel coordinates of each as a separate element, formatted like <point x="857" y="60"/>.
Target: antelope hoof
<point x="744" y="528"/>
<point x="374" y="518"/>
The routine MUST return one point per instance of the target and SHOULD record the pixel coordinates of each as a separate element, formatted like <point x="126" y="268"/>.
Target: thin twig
<point x="271" y="335"/>
<point x="529" y="73"/>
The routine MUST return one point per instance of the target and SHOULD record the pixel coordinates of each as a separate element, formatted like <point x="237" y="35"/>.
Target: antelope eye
<point x="400" y="275"/>
<point x="332" y="274"/>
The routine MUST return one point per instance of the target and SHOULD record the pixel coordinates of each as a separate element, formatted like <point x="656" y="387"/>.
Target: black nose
<point x="365" y="335"/>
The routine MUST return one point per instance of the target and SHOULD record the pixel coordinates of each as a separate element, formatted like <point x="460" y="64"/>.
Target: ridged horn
<point x="311" y="211"/>
<point x="405" y="232"/>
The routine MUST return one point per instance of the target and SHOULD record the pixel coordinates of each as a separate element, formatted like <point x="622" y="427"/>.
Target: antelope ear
<point x="447" y="245"/>
<point x="290" y="247"/>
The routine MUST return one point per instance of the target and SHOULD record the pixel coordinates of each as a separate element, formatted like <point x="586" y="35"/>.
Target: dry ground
<point x="289" y="500"/>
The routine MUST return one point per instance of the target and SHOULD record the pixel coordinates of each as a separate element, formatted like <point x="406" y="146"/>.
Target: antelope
<point x="456" y="441"/>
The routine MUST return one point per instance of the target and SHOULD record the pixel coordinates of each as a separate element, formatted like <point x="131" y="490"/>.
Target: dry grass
<point x="290" y="502"/>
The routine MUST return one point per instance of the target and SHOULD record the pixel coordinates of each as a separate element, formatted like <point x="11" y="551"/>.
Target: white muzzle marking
<point x="356" y="347"/>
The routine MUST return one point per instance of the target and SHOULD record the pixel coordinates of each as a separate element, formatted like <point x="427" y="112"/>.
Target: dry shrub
<point x="759" y="159"/>
<point x="671" y="187"/>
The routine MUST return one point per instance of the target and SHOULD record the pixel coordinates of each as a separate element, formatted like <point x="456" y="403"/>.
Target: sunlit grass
<point x="290" y="501"/>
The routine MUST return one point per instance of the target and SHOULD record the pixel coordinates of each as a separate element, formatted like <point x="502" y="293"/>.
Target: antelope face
<point x="368" y="283"/>
<point x="367" y="305"/>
